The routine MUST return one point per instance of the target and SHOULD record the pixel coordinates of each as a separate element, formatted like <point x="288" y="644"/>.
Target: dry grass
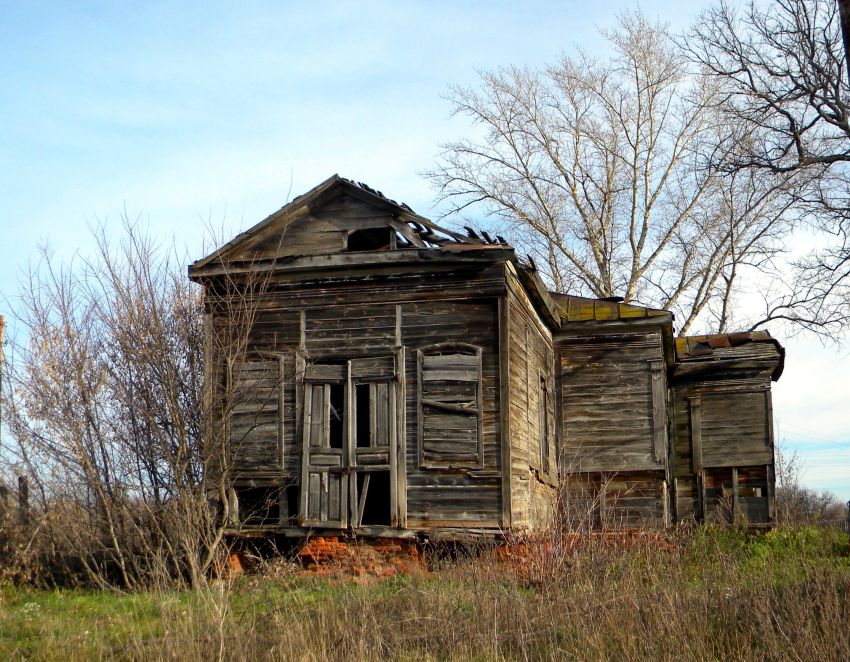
<point x="708" y="594"/>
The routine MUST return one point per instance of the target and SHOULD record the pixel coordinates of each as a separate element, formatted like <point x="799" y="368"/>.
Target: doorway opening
<point x="373" y="498"/>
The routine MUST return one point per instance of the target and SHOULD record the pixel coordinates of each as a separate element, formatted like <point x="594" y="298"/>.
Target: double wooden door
<point x="349" y="468"/>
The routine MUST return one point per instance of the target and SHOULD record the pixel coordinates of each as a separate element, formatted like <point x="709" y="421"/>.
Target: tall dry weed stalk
<point x="699" y="597"/>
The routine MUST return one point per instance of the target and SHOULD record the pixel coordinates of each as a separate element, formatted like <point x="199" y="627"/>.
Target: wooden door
<point x="349" y="467"/>
<point x="325" y="465"/>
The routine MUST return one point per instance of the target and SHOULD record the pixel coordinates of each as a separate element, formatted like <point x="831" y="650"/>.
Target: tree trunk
<point x="844" y="11"/>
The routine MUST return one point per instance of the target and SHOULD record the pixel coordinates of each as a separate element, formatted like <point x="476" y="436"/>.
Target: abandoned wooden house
<point x="392" y="377"/>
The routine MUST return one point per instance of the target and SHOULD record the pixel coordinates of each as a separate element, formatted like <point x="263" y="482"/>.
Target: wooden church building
<point x="374" y="373"/>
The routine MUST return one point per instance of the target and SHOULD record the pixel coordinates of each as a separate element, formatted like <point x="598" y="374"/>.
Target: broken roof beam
<point x="407" y="233"/>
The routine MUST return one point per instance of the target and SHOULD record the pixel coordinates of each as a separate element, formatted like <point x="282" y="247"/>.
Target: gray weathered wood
<point x="480" y="384"/>
<point x="696" y="434"/>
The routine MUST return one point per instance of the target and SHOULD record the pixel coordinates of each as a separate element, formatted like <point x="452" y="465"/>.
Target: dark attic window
<point x="371" y="239"/>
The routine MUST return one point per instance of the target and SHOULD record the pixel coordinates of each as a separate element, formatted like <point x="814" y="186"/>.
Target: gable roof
<point x="417" y="230"/>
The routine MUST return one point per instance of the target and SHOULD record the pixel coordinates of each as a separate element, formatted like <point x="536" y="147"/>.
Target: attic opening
<point x="371" y="239"/>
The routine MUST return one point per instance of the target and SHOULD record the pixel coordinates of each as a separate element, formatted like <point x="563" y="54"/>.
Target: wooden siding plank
<point x="659" y="410"/>
<point x="611" y="404"/>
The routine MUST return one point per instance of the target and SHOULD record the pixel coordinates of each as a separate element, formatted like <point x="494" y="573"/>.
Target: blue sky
<point x="197" y="114"/>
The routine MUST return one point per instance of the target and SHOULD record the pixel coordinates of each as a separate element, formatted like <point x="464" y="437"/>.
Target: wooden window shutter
<point x="255" y="414"/>
<point x="449" y="390"/>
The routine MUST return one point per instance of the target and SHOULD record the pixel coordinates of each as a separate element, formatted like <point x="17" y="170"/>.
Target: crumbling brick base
<point x="536" y="557"/>
<point x="376" y="557"/>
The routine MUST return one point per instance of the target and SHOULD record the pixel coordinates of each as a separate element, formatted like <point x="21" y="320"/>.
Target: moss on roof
<point x="583" y="309"/>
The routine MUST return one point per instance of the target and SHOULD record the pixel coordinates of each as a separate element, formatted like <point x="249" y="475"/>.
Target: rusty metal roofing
<point x="583" y="309"/>
<point x="691" y="347"/>
<point x="710" y="347"/>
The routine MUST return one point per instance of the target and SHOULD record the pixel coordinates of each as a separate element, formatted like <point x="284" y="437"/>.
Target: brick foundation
<point x="520" y="545"/>
<point x="376" y="557"/>
<point x="539" y="554"/>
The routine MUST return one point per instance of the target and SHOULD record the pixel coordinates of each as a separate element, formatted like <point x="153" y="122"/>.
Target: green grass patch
<point x="715" y="594"/>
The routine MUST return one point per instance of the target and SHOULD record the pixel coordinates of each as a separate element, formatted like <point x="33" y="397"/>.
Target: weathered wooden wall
<point x="613" y="417"/>
<point x="375" y="315"/>
<point x="615" y="500"/>
<point x="533" y="477"/>
<point x="464" y="496"/>
<point x="610" y="408"/>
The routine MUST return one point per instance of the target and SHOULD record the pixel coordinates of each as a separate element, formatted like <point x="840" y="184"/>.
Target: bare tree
<point x="605" y="171"/>
<point x="782" y="69"/>
<point x="104" y="399"/>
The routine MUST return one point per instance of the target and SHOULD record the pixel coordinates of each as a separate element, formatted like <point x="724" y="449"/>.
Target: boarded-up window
<point x="449" y="389"/>
<point x="608" y="402"/>
<point x="735" y="428"/>
<point x="254" y="431"/>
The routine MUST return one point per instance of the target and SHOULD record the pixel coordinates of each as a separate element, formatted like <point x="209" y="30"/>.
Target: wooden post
<point x="696" y="434"/>
<point x="392" y="444"/>
<point x="281" y="410"/>
<point x="659" y="412"/>
<point x="401" y="434"/>
<point x="306" y="438"/>
<point x="349" y="458"/>
<point x="771" y="493"/>
<point x="696" y="452"/>
<point x="23" y="501"/>
<point x="734" y="495"/>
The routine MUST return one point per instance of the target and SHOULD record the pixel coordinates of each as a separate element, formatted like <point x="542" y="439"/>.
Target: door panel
<point x="324" y="472"/>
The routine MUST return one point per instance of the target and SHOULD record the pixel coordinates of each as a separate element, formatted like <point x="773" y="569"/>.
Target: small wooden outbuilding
<point x="374" y="373"/>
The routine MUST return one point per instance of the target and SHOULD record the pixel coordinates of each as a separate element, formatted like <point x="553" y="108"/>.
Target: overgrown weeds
<point x="705" y="594"/>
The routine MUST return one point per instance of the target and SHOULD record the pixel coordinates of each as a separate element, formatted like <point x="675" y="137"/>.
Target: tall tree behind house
<point x="609" y="171"/>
